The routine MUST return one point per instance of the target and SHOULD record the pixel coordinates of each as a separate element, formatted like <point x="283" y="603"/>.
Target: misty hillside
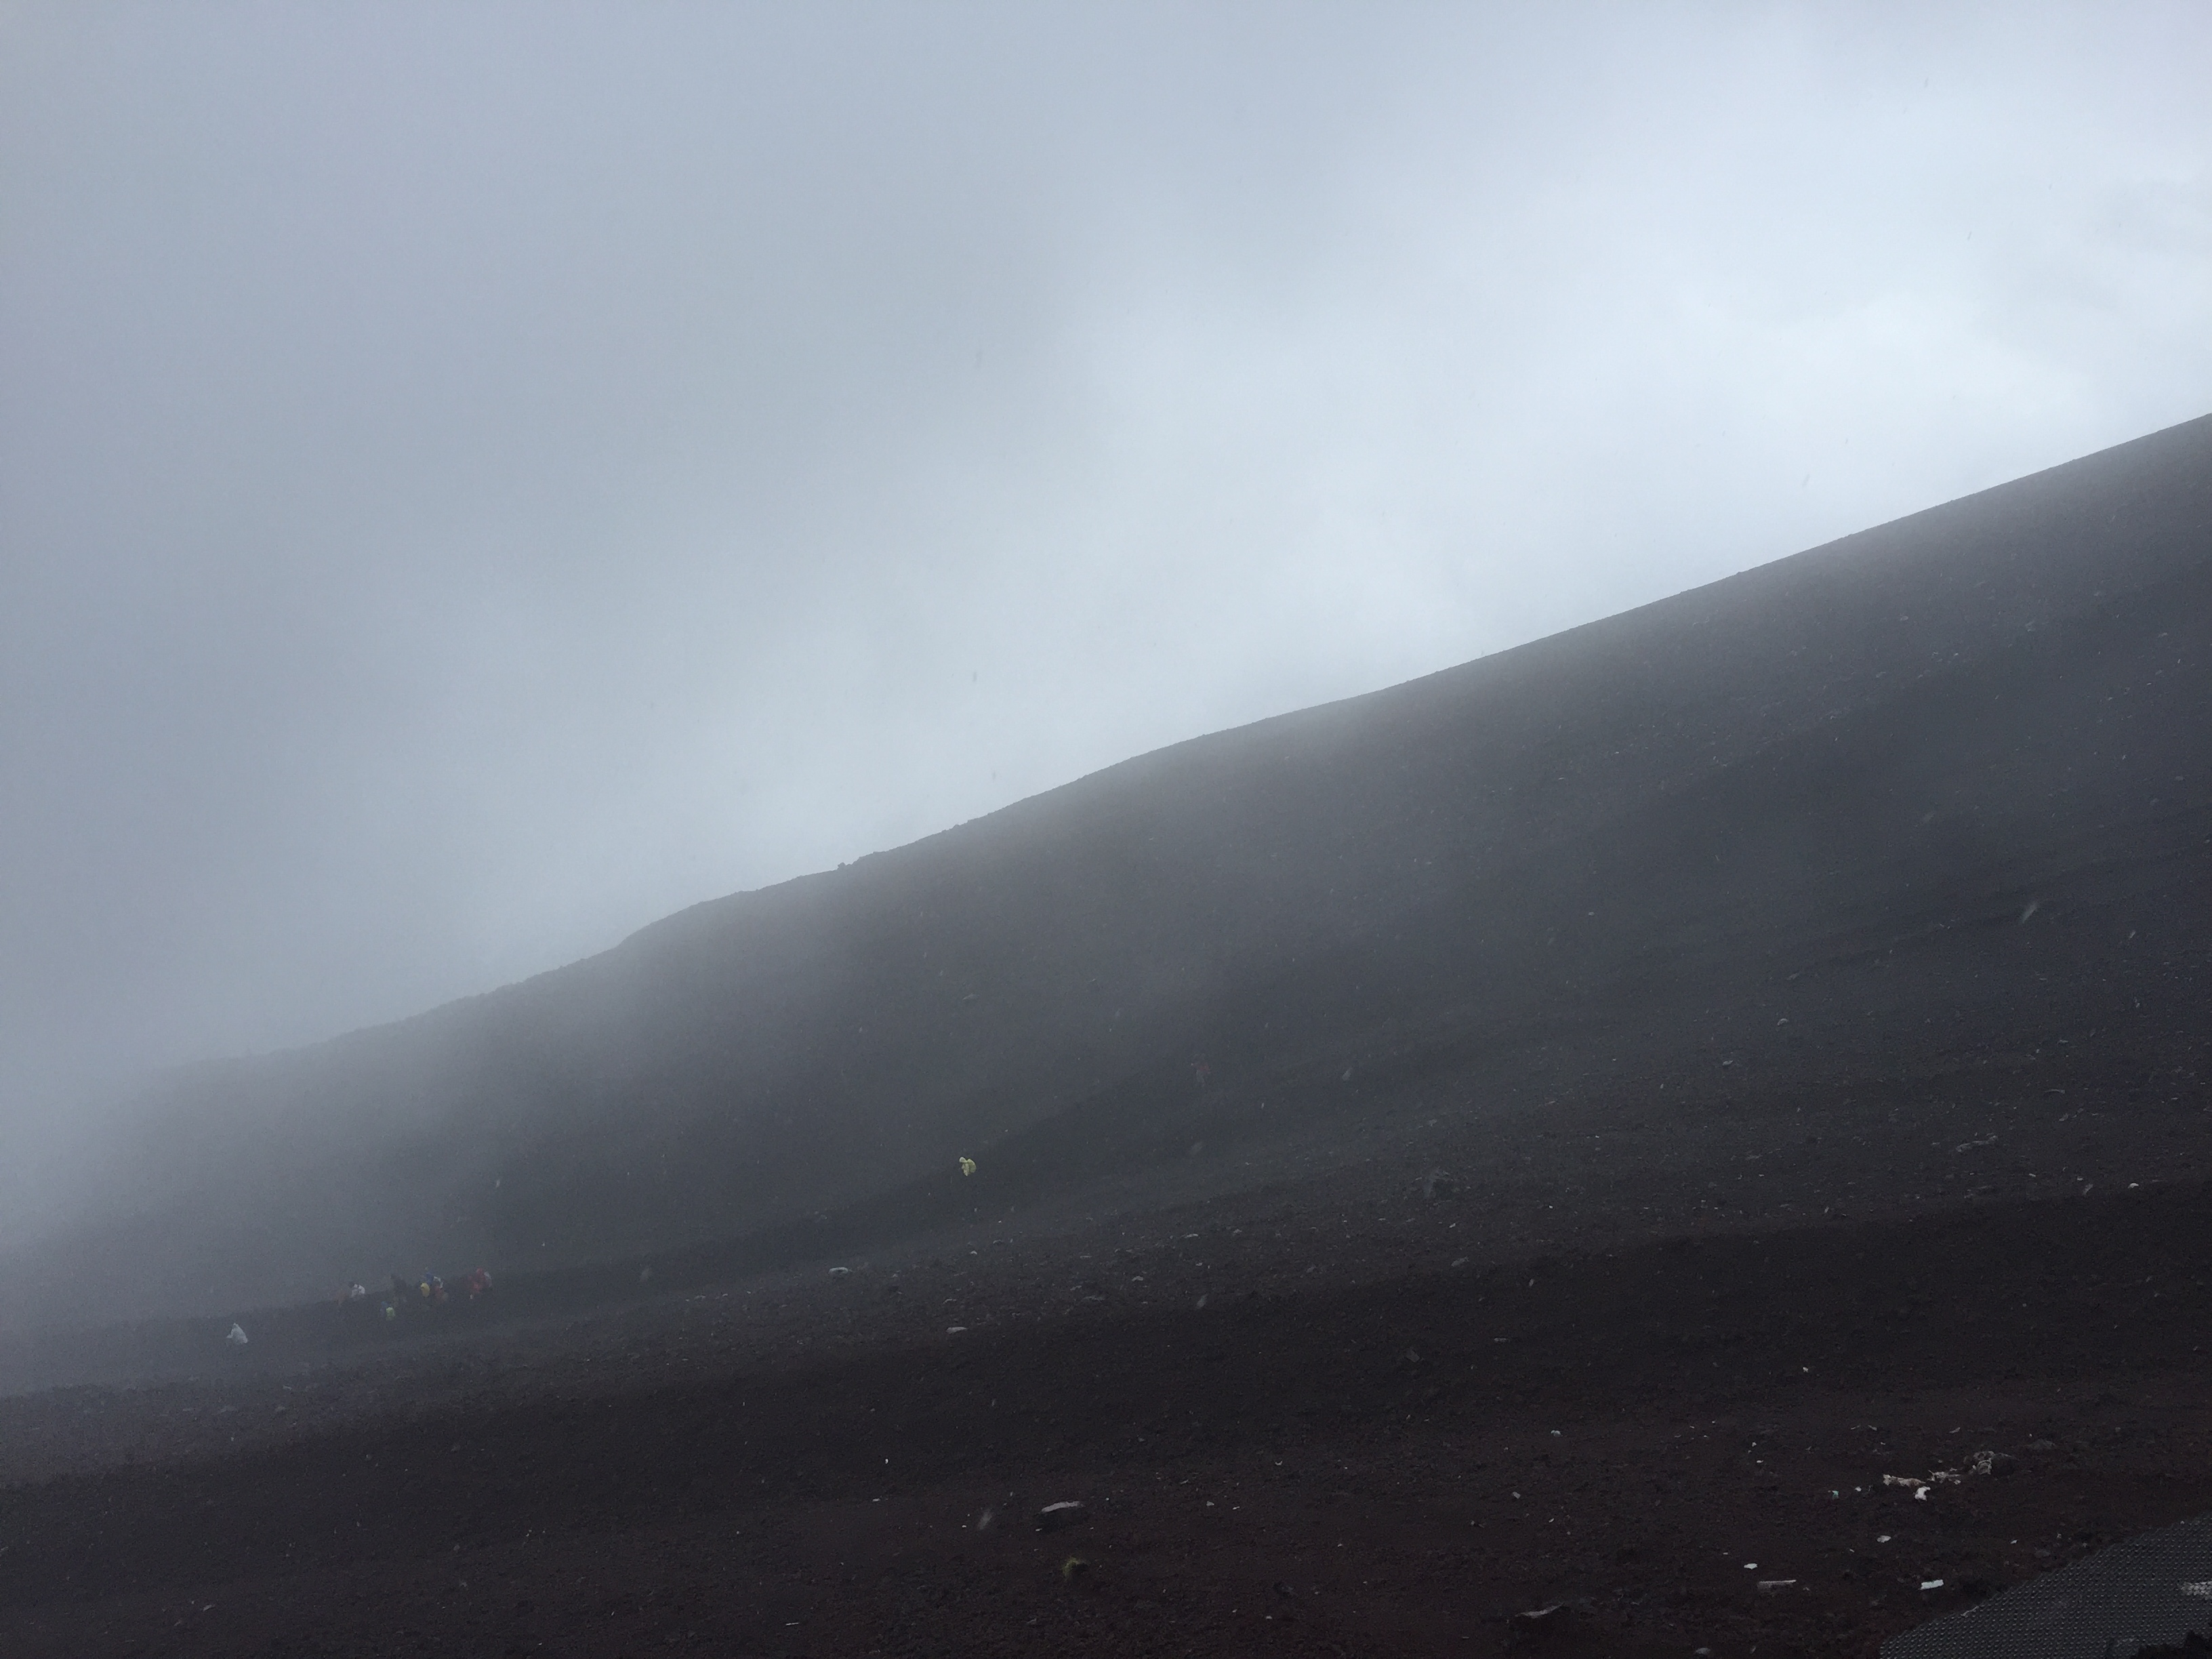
<point x="1881" y="787"/>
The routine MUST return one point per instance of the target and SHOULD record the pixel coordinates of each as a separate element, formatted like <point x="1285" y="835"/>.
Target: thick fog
<point x="474" y="480"/>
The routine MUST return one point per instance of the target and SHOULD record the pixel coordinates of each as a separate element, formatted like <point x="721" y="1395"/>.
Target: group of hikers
<point x="427" y="1291"/>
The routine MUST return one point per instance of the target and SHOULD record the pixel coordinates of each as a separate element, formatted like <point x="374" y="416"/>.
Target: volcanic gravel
<point x="1327" y="1430"/>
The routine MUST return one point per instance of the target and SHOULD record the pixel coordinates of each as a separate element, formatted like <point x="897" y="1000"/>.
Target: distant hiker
<point x="1204" y="1071"/>
<point x="391" y="1313"/>
<point x="432" y="1290"/>
<point x="476" y="1283"/>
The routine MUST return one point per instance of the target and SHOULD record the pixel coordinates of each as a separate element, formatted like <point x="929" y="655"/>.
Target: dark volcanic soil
<point x="1307" y="1421"/>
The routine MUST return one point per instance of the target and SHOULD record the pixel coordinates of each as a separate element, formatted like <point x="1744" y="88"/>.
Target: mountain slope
<point x="1832" y="786"/>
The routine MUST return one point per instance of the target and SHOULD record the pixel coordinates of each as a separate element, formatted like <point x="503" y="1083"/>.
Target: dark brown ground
<point x="1384" y="1431"/>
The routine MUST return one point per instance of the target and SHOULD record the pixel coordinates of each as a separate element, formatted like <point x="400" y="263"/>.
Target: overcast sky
<point x="474" y="479"/>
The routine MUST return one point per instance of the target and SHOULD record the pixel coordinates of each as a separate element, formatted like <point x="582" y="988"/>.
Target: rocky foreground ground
<point x="1355" y="1412"/>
